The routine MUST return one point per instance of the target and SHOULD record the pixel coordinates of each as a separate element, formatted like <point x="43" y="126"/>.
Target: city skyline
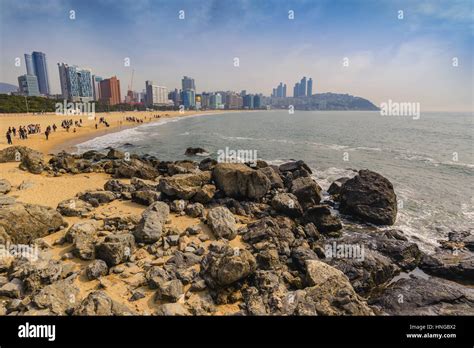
<point x="409" y="59"/>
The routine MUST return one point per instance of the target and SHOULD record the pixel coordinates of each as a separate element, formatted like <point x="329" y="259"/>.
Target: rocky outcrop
<point x="370" y="197"/>
<point x="184" y="186"/>
<point x="135" y="168"/>
<point x="25" y="222"/>
<point x="30" y="160"/>
<point x="240" y="181"/>
<point x="323" y="219"/>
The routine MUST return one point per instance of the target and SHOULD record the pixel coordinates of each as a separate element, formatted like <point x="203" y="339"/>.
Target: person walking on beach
<point x="9" y="138"/>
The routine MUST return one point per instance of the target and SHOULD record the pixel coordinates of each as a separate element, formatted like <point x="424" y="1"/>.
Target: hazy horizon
<point x="405" y="60"/>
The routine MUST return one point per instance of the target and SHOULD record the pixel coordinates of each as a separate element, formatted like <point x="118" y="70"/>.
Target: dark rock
<point x="74" y="207"/>
<point x="370" y="197"/>
<point x="321" y="217"/>
<point x="135" y="168"/>
<point x="115" y="154"/>
<point x="293" y="166"/>
<point x="150" y="227"/>
<point x="222" y="223"/>
<point x="287" y="203"/>
<point x="307" y="191"/>
<point x="83" y="236"/>
<point x="207" y="164"/>
<point x="146" y="197"/>
<point x="60" y="297"/>
<point x="184" y="186"/>
<point x="335" y="187"/>
<point x="195" y="210"/>
<point x="98" y="196"/>
<point x="272" y="175"/>
<point x="36" y="274"/>
<point x="13" y="289"/>
<point x="116" y="249"/>
<point x="170" y="291"/>
<point x="191" y="151"/>
<point x="99" y="303"/>
<point x="96" y="269"/>
<point x="457" y="265"/>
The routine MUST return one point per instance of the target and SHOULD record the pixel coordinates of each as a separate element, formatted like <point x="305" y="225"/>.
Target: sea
<point x="429" y="159"/>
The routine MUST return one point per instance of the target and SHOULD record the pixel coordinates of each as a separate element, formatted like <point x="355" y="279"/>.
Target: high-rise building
<point x="110" y="91"/>
<point x="188" y="83"/>
<point x="296" y="90"/>
<point x="257" y="101"/>
<point x="188" y="97"/>
<point x="41" y="71"/>
<point x="310" y="87"/>
<point x="156" y="95"/>
<point x="28" y="85"/>
<point x="302" y="88"/>
<point x="76" y="83"/>
<point x="215" y="101"/>
<point x="248" y="101"/>
<point x="284" y="91"/>
<point x="30" y="67"/>
<point x="233" y="101"/>
<point x="280" y="90"/>
<point x="96" y="87"/>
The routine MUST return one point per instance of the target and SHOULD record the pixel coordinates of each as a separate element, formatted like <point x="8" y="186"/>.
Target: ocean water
<point x="429" y="160"/>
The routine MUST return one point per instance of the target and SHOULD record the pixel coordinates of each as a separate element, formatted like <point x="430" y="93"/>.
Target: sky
<point x="407" y="59"/>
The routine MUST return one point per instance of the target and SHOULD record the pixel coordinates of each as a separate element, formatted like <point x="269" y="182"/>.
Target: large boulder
<point x="240" y="181"/>
<point x="35" y="274"/>
<point x="135" y="168"/>
<point x="287" y="203"/>
<point x="74" y="207"/>
<point x="370" y="197"/>
<point x="421" y="296"/>
<point x="98" y="197"/>
<point x="307" y="191"/>
<point x="99" y="303"/>
<point x="116" y="249"/>
<point x="184" y="186"/>
<point x="30" y="160"/>
<point x="60" y="297"/>
<point x="23" y="223"/>
<point x="457" y="265"/>
<point x="222" y="223"/>
<point x="150" y="227"/>
<point x="224" y="265"/>
<point x="83" y="236"/>
<point x="323" y="219"/>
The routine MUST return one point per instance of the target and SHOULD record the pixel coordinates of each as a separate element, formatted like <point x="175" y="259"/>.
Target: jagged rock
<point x="271" y="233"/>
<point x="239" y="181"/>
<point x="24" y="223"/>
<point x="191" y="151"/>
<point x="99" y="303"/>
<point x="74" y="207"/>
<point x="83" y="237"/>
<point x="5" y="186"/>
<point x="115" y="185"/>
<point x="116" y="249"/>
<point x="294" y="166"/>
<point x="146" y="197"/>
<point x="115" y="154"/>
<point x="12" y="289"/>
<point x="222" y="223"/>
<point x="93" y="155"/>
<point x="150" y="227"/>
<point x="287" y="203"/>
<point x="32" y="162"/>
<point x="36" y="274"/>
<point x="307" y="191"/>
<point x="335" y="187"/>
<point x="205" y="194"/>
<point x="321" y="217"/>
<point x="98" y="197"/>
<point x="195" y="210"/>
<point x="370" y="197"/>
<point x="457" y="265"/>
<point x="184" y="186"/>
<point x="172" y="309"/>
<point x="224" y="265"/>
<point x="135" y="168"/>
<point x="273" y="176"/>
<point x="169" y="291"/>
<point x="96" y="269"/>
<point x="60" y="297"/>
<point x="182" y="167"/>
<point x="207" y="164"/>
<point x="419" y="296"/>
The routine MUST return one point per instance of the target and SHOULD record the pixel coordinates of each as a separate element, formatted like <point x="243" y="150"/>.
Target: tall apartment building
<point x="28" y="85"/>
<point x="110" y="91"/>
<point x="155" y="95"/>
<point x="76" y="83"/>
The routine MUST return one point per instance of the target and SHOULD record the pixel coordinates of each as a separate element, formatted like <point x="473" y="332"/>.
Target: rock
<point x="98" y="196"/>
<point x="178" y="205"/>
<point x="419" y="296"/>
<point x="273" y="176"/>
<point x="330" y="291"/>
<point x="115" y="154"/>
<point x="191" y="151"/>
<point x="146" y="197"/>
<point x="83" y="236"/>
<point x="74" y="207"/>
<point x="170" y="291"/>
<point x="205" y="194"/>
<point x="93" y="155"/>
<point x="321" y="217"/>
<point x="26" y="184"/>
<point x="195" y="210"/>
<point x="24" y="223"/>
<point x="5" y="186"/>
<point x="307" y="191"/>
<point x="136" y="295"/>
<point x="239" y="181"/>
<point x="13" y="289"/>
<point x="287" y="203"/>
<point x="457" y="265"/>
<point x="96" y="269"/>
<point x="335" y="187"/>
<point x="182" y="167"/>
<point x="294" y="166"/>
<point x="60" y="297"/>
<point x="135" y="168"/>
<point x="222" y="223"/>
<point x="370" y="197"/>
<point x="207" y="164"/>
<point x="6" y="200"/>
<point x="224" y="265"/>
<point x="172" y="309"/>
<point x="300" y="255"/>
<point x="184" y="186"/>
<point x="36" y="274"/>
<point x="150" y="227"/>
<point x="32" y="162"/>
<point x="116" y="249"/>
<point x="99" y="303"/>
<point x="115" y="185"/>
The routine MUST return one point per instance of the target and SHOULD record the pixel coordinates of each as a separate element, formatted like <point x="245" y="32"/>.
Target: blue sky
<point x="402" y="60"/>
